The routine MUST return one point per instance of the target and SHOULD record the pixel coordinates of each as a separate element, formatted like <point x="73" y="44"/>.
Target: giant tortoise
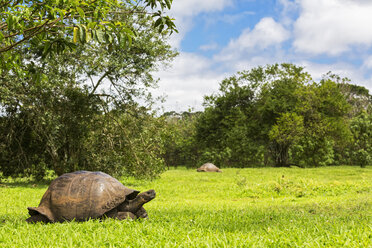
<point x="84" y="195"/>
<point x="208" y="167"/>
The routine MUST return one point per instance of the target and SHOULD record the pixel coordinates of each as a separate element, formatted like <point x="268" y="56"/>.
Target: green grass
<point x="263" y="207"/>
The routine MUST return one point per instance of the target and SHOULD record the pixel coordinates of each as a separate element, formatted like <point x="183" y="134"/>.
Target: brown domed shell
<point x="82" y="195"/>
<point x="208" y="167"/>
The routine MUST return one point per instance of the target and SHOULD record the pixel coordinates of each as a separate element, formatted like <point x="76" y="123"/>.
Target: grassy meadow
<point x="260" y="207"/>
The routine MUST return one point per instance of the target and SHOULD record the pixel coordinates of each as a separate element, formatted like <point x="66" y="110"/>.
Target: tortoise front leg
<point x="122" y="215"/>
<point x="141" y="213"/>
<point x="125" y="215"/>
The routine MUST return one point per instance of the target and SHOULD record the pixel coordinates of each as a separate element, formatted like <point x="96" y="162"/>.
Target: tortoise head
<point x="133" y="205"/>
<point x="146" y="196"/>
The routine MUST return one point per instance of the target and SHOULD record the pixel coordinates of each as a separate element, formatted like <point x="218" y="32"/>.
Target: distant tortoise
<point x="84" y="195"/>
<point x="208" y="167"/>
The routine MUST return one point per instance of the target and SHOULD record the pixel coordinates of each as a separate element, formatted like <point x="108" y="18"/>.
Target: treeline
<point x="72" y="74"/>
<point x="276" y="116"/>
<point x="268" y="116"/>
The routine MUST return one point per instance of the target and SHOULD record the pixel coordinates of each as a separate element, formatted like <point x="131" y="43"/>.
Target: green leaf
<point x="53" y="13"/>
<point x="100" y="35"/>
<point x="111" y="25"/>
<point x="108" y="38"/>
<point x="46" y="49"/>
<point x="129" y="40"/>
<point x="82" y="33"/>
<point x="96" y="13"/>
<point x="161" y="27"/>
<point x="169" y="3"/>
<point x="76" y="33"/>
<point x="129" y="32"/>
<point x="88" y="36"/>
<point x="158" y="22"/>
<point x="91" y="25"/>
<point x="81" y="12"/>
<point x="9" y="22"/>
<point x="122" y="39"/>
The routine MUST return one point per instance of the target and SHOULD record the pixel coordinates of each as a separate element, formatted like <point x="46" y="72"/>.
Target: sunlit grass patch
<point x="267" y="207"/>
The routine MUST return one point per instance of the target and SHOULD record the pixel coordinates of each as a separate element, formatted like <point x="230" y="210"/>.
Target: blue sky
<point x="217" y="38"/>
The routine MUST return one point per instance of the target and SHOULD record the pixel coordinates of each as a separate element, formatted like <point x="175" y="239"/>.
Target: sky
<point x="218" y="38"/>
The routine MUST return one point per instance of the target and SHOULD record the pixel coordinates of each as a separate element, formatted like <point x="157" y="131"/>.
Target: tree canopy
<point x="69" y="103"/>
<point x="57" y="23"/>
<point x="278" y="115"/>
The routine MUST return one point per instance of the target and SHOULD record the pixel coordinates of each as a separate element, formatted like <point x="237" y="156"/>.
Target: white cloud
<point x="326" y="27"/>
<point x="265" y="34"/>
<point x="209" y="47"/>
<point x="354" y="73"/>
<point x="289" y="7"/>
<point x="254" y="61"/>
<point x="230" y="19"/>
<point x="193" y="76"/>
<point x="190" y="78"/>
<point x="333" y="26"/>
<point x="368" y="62"/>
<point x="317" y="70"/>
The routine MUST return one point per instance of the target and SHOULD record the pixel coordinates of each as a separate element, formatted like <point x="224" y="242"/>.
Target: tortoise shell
<point x="208" y="167"/>
<point x="82" y="195"/>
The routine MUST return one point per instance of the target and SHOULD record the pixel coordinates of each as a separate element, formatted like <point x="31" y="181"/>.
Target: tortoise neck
<point x="134" y="205"/>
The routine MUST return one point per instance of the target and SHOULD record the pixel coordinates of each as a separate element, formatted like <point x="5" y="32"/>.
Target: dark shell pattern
<point x="82" y="195"/>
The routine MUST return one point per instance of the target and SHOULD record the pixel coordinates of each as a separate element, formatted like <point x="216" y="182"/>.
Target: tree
<point x="55" y="23"/>
<point x="357" y="96"/>
<point x="179" y="139"/>
<point x="325" y="110"/>
<point x="277" y="104"/>
<point x="58" y="107"/>
<point x="275" y="115"/>
<point x="361" y="148"/>
<point x="127" y="141"/>
<point x="287" y="131"/>
<point x="226" y="131"/>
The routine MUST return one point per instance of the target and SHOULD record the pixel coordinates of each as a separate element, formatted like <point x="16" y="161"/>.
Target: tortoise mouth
<point x="153" y="193"/>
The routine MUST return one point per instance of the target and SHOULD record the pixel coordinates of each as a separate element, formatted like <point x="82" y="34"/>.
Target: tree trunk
<point x="280" y="155"/>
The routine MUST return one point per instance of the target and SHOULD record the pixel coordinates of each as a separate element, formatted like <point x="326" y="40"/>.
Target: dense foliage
<point x="278" y="116"/>
<point x="78" y="109"/>
<point x="56" y="23"/>
<point x="179" y="139"/>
